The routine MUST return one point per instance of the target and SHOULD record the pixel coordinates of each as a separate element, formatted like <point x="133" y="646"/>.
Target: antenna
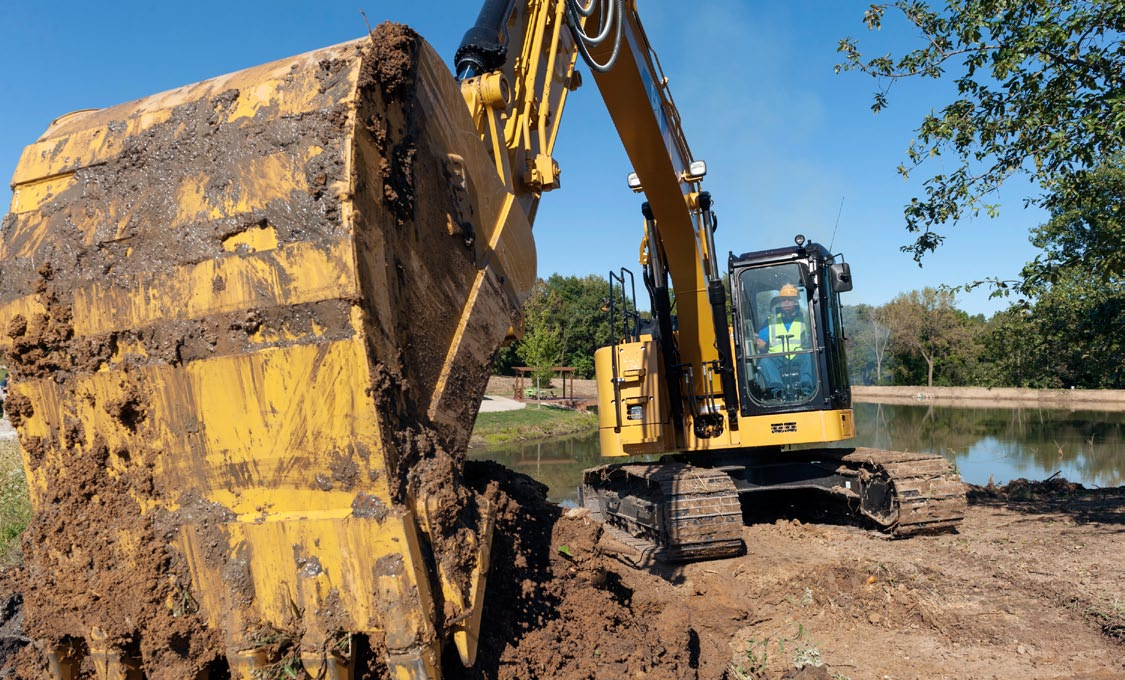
<point x="838" y="213"/>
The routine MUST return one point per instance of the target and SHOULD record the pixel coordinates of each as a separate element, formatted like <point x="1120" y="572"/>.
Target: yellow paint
<point x="466" y="633"/>
<point x="291" y="275"/>
<point x="257" y="183"/>
<point x="633" y="419"/>
<point x="253" y="240"/>
<point x="372" y="569"/>
<point x="30" y="196"/>
<point x="56" y="154"/>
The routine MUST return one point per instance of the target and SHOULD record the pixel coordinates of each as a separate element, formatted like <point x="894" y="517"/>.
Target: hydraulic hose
<point x="484" y="46"/>
<point x="613" y="15"/>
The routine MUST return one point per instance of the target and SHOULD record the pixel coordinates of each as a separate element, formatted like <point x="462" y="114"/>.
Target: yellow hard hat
<point x="788" y="290"/>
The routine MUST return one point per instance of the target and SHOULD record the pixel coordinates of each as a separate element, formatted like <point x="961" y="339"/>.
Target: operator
<point x="782" y="336"/>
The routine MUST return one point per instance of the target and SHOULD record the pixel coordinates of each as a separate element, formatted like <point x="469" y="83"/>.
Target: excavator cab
<point x="789" y="349"/>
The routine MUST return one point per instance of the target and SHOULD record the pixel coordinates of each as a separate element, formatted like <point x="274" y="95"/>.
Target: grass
<point x="545" y="422"/>
<point x="15" y="503"/>
<point x="796" y="651"/>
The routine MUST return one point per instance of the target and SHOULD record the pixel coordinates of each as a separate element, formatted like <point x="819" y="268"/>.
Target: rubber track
<point x="699" y="514"/>
<point x="928" y="492"/>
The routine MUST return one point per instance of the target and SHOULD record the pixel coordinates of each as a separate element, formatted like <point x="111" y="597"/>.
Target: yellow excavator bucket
<point x="249" y="323"/>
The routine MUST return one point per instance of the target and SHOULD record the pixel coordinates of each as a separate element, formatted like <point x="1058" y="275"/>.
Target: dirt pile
<point x="558" y="605"/>
<point x="1027" y="589"/>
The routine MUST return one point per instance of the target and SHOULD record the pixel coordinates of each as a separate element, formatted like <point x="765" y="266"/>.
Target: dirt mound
<point x="558" y="605"/>
<point x="1025" y="590"/>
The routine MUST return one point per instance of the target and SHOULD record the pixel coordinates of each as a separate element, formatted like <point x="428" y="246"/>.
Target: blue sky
<point x="785" y="138"/>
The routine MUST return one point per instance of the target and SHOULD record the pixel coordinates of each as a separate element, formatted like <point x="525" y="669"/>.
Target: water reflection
<point x="1004" y="444"/>
<point x="558" y="463"/>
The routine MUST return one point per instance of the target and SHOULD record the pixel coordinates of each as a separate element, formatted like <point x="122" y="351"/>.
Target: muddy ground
<point x="1029" y="588"/>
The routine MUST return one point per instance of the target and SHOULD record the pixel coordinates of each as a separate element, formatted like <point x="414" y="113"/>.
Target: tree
<point x="927" y="325"/>
<point x="578" y="314"/>
<point x="1017" y="353"/>
<point x="880" y="340"/>
<point x="1086" y="231"/>
<point x="541" y="346"/>
<point x="869" y="339"/>
<point x="1040" y="88"/>
<point x="1070" y="329"/>
<point x="1072" y="336"/>
<point x="563" y="321"/>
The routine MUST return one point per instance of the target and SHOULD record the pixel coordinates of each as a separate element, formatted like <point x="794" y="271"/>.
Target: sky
<point x="791" y="146"/>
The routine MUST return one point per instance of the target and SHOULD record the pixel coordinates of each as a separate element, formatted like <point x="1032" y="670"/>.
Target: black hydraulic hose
<point x="718" y="299"/>
<point x="617" y="7"/>
<point x="664" y="333"/>
<point x="484" y="46"/>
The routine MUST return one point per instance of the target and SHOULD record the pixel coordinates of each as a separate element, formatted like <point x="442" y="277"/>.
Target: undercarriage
<point x="689" y="508"/>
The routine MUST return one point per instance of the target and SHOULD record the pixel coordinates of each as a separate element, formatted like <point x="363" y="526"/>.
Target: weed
<point x="757" y="656"/>
<point x="15" y="503"/>
<point x="181" y="601"/>
<point x="797" y="650"/>
<point x="282" y="653"/>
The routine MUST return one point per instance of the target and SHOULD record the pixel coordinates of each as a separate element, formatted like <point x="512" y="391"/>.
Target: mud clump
<point x="557" y="605"/>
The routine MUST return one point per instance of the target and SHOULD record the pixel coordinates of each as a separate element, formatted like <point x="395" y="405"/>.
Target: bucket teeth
<point x="63" y="662"/>
<point x="110" y="663"/>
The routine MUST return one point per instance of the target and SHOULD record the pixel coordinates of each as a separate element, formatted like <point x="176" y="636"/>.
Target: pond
<point x="1003" y="444"/>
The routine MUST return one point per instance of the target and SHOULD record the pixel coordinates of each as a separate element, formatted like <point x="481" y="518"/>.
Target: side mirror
<point x="841" y="276"/>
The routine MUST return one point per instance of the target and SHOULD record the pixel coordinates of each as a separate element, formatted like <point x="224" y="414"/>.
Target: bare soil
<point x="1029" y="588"/>
<point x="505" y="386"/>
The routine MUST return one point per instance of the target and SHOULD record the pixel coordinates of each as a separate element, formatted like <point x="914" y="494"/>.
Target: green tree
<point x="580" y="317"/>
<point x="1016" y="352"/>
<point x="927" y="326"/>
<point x="564" y="319"/>
<point x="869" y="341"/>
<point x="1086" y="230"/>
<point x="1069" y="330"/>
<point x="1081" y="320"/>
<point x="963" y="365"/>
<point x="1040" y="90"/>
<point x="541" y="346"/>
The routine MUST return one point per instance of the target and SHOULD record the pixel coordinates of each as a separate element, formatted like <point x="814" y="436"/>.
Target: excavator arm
<point x="249" y="323"/>
<point x="517" y="65"/>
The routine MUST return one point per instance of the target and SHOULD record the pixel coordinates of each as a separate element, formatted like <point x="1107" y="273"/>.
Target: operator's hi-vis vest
<point x="785" y="340"/>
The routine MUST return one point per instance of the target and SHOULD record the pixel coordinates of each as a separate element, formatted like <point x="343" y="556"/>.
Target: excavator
<point x="249" y="323"/>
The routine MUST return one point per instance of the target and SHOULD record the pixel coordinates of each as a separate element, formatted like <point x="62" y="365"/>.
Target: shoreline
<point x="991" y="397"/>
<point x="967" y="397"/>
